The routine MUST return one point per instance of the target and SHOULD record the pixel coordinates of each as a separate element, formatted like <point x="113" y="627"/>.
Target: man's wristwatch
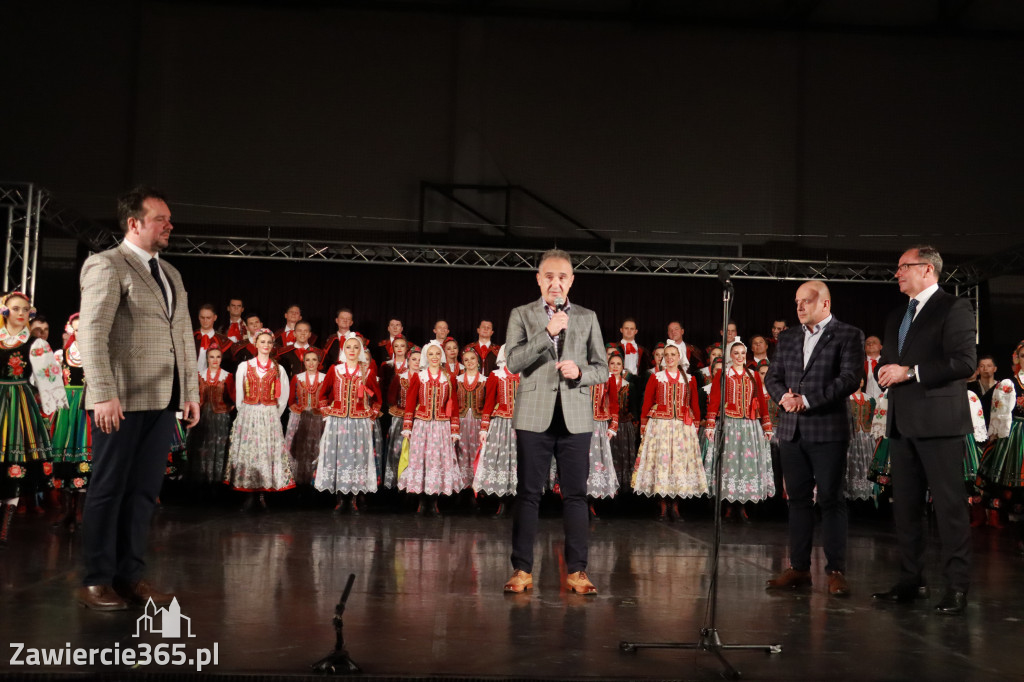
<point x="911" y="374"/>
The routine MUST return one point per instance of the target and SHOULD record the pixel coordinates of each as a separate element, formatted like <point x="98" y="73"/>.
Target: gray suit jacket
<point x="530" y="353"/>
<point x="129" y="344"/>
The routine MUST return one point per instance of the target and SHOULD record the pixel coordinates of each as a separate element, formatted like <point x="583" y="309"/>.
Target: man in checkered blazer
<point x="817" y="366"/>
<point x="139" y="357"/>
<point x="557" y="350"/>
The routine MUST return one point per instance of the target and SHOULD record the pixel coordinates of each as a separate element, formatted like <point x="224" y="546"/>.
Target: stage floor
<point x="428" y="599"/>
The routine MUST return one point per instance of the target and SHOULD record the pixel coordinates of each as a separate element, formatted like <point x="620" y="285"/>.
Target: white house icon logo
<point x="166" y="622"/>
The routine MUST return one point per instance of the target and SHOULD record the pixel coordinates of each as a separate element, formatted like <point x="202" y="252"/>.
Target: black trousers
<point x="572" y="452"/>
<point x="804" y="465"/>
<point x="127" y="471"/>
<point x="936" y="464"/>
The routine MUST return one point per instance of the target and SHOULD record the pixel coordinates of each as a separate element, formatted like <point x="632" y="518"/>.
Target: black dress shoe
<point x="953" y="602"/>
<point x="904" y="593"/>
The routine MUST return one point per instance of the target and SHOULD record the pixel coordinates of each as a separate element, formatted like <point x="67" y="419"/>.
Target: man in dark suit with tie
<point x="817" y="366"/>
<point x="928" y="355"/>
<point x="140" y="365"/>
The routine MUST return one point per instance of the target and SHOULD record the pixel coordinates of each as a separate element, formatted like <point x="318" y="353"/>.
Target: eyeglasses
<point x="903" y="267"/>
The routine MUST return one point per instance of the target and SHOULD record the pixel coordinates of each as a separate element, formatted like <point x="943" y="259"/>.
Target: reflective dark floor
<point x="428" y="598"/>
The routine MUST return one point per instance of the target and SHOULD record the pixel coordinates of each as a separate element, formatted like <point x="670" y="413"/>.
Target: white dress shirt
<point x="164" y="282"/>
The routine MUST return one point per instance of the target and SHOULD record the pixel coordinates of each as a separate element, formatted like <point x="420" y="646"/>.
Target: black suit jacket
<point x="941" y="343"/>
<point x="833" y="373"/>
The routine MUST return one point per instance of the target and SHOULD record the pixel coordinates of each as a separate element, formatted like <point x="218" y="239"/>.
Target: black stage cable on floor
<point x="708" y="639"/>
<point x="338" y="661"/>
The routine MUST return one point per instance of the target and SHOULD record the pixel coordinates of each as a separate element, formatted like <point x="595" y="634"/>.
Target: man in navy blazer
<point x="928" y="354"/>
<point x="817" y="366"/>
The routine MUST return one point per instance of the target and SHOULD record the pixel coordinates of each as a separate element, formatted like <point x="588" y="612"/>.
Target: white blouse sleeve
<point x="282" y="402"/>
<point x="240" y="386"/>
<point x="977" y="418"/>
<point x="1003" y="399"/>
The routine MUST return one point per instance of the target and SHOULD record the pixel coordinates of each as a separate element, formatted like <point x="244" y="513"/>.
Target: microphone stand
<point x="708" y="639"/>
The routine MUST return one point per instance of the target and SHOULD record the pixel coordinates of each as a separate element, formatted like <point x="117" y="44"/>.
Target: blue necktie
<point x="908" y="318"/>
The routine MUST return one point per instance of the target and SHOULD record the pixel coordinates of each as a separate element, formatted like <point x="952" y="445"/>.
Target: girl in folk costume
<point x="432" y="426"/>
<point x="451" y="357"/>
<point x="706" y="438"/>
<point x="347" y="465"/>
<point x="370" y="365"/>
<point x="604" y="401"/>
<point x="623" y="443"/>
<point x="208" y="440"/>
<point x="1001" y="473"/>
<point x="394" y="365"/>
<point x="496" y="469"/>
<point x="746" y="457"/>
<point x="258" y="461"/>
<point x="397" y="391"/>
<point x="862" y="446"/>
<point x="25" y="449"/>
<point x="305" y="420"/>
<point x="471" y="384"/>
<point x="659" y="358"/>
<point x="668" y="463"/>
<point x="70" y="434"/>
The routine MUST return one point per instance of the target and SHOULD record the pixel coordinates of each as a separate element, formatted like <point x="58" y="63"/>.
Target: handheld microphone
<point x="559" y="307"/>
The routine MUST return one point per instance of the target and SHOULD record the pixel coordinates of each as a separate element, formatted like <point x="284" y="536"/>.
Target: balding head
<point x="813" y="302"/>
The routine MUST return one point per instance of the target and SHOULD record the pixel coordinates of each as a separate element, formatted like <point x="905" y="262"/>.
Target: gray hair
<point x="929" y="254"/>
<point x="555" y="253"/>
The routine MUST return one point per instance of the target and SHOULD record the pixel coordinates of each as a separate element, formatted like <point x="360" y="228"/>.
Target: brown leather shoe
<point x="141" y="592"/>
<point x="100" y="598"/>
<point x="790" y="578"/>
<point x="519" y="582"/>
<point x="580" y="583"/>
<point x="837" y="585"/>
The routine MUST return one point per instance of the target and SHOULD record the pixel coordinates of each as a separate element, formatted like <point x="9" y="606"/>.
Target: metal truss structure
<point x="21" y="202"/>
<point x="28" y="205"/>
<point x="270" y="248"/>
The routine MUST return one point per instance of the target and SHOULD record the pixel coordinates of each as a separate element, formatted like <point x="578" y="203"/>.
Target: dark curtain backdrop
<point x="420" y="295"/>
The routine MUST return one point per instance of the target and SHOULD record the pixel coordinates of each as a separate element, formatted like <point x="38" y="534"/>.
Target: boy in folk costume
<point x="432" y="426"/>
<point x="485" y="346"/>
<point x="292" y="356"/>
<point x="305" y="418"/>
<point x="208" y="440"/>
<point x="285" y="336"/>
<point x="207" y="335"/>
<point x="347" y="465"/>
<point x="496" y="469"/>
<point x="244" y="350"/>
<point x="258" y="461"/>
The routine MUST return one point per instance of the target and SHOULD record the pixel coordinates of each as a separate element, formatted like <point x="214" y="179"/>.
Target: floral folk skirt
<point x="668" y="463"/>
<point x="496" y="471"/>
<point x="257" y="458"/>
<point x="747" y="463"/>
<point x="347" y="463"/>
<point x="433" y="463"/>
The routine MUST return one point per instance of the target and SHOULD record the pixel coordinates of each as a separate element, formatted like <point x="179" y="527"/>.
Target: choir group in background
<point x="341" y="414"/>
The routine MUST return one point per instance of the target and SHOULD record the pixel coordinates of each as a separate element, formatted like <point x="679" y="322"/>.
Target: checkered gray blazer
<point x="832" y="374"/>
<point x="530" y="353"/>
<point x="129" y="344"/>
